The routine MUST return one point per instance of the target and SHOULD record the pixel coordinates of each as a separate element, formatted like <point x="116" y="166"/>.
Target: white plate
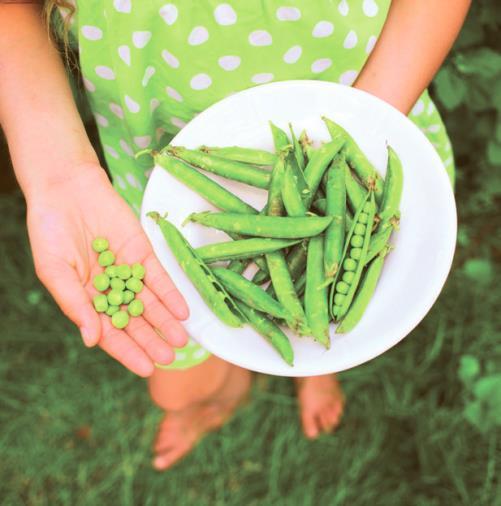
<point x="414" y="272"/>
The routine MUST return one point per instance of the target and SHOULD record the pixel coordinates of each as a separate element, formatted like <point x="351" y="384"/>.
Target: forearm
<point x="414" y="42"/>
<point x="46" y="137"/>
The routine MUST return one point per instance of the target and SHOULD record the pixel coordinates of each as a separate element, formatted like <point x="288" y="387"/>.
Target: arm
<point x="414" y="42"/>
<point x="70" y="200"/>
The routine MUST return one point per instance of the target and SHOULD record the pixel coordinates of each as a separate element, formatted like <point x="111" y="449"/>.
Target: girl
<point x="148" y="68"/>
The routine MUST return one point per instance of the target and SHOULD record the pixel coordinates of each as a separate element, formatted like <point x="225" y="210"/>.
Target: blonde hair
<point x="58" y="26"/>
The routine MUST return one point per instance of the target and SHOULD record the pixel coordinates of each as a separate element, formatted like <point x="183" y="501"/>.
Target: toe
<point x="168" y="458"/>
<point x="310" y="424"/>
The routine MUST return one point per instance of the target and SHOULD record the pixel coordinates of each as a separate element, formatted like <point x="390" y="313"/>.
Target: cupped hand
<point x="63" y="219"/>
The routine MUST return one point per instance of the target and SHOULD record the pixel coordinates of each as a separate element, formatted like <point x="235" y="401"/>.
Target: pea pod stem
<point x="229" y="169"/>
<point x="210" y="289"/>
<point x="239" y="154"/>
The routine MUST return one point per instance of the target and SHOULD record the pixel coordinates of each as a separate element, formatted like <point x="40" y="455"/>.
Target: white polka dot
<point x="131" y="104"/>
<point x="351" y="40"/>
<point x="92" y="32"/>
<point x="418" y="108"/>
<point x="198" y="36"/>
<point x="370" y="44"/>
<point x="120" y="182"/>
<point x="288" y="14"/>
<point x="105" y="72"/>
<point x="124" y="53"/>
<point x="179" y="123"/>
<point x="154" y="103"/>
<point x="170" y="59"/>
<point x="321" y="65"/>
<point x="89" y="85"/>
<point x="101" y="120"/>
<point x="117" y="110"/>
<point x="370" y="8"/>
<point x="343" y="8"/>
<point x="140" y="39"/>
<point x="431" y="108"/>
<point x="111" y="151"/>
<point x="200" y="82"/>
<point x="262" y="78"/>
<point x="323" y="29"/>
<point x="142" y="141"/>
<point x="200" y="353"/>
<point x="126" y="148"/>
<point x="132" y="180"/>
<point x="293" y="54"/>
<point x="168" y="13"/>
<point x="122" y="6"/>
<point x="348" y="77"/>
<point x="159" y="133"/>
<point x="173" y="94"/>
<point x="149" y="71"/>
<point x="229" y="62"/>
<point x="260" y="38"/>
<point x="225" y="15"/>
<point x="433" y="129"/>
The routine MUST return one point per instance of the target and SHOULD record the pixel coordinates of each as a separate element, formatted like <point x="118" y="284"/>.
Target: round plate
<point x="414" y="271"/>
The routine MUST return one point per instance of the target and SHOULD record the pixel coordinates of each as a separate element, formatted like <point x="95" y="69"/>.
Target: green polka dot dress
<point x="150" y="66"/>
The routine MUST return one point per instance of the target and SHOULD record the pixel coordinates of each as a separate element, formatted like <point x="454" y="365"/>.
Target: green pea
<point x="115" y="297"/>
<point x="342" y="287"/>
<point x="339" y="299"/>
<point x="367" y="207"/>
<point x="356" y="253"/>
<point x="359" y="229"/>
<point x="117" y="284"/>
<point x="349" y="264"/>
<point x="363" y="218"/>
<point x="120" y="319"/>
<point x="138" y="271"/>
<point x="111" y="271"/>
<point x="106" y="258"/>
<point x="134" y="284"/>
<point x="348" y="276"/>
<point x="335" y="309"/>
<point x="124" y="271"/>
<point x="128" y="296"/>
<point x="112" y="310"/>
<point x="136" y="307"/>
<point x="100" y="244"/>
<point x="357" y="241"/>
<point x="101" y="282"/>
<point x="100" y="303"/>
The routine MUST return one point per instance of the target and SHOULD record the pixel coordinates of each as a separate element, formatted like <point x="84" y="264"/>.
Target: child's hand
<point x="63" y="219"/>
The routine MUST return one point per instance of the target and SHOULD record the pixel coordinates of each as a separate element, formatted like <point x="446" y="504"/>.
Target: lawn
<point x="422" y="421"/>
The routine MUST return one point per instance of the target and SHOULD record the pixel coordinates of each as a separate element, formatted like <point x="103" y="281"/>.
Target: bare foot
<point x="321" y="404"/>
<point x="181" y="430"/>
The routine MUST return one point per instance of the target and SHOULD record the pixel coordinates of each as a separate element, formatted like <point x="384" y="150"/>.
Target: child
<point x="148" y="68"/>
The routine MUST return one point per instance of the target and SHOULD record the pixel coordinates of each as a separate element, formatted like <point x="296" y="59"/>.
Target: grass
<point x="76" y="428"/>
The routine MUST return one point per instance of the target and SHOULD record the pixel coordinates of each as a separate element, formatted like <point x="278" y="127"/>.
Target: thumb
<point x="65" y="286"/>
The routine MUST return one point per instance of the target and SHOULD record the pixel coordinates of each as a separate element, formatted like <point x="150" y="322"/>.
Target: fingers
<point x="157" y="315"/>
<point x="154" y="346"/>
<point x="63" y="283"/>
<point x="159" y="282"/>
<point x="122" y="347"/>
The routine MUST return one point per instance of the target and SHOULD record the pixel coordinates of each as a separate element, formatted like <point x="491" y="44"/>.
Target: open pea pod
<point x="210" y="289"/>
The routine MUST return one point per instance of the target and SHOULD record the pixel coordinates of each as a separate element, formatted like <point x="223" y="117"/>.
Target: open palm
<point x="62" y="223"/>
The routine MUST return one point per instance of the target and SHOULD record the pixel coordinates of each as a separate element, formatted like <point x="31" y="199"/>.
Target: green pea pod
<point x="356" y="158"/>
<point x="336" y="207"/>
<point x="237" y="266"/>
<point x="370" y="211"/>
<point x="271" y="332"/>
<point x="315" y="293"/>
<point x="280" y="139"/>
<point x="379" y="241"/>
<point x="393" y="185"/>
<point x="275" y="227"/>
<point x="229" y="169"/>
<point x="210" y="289"/>
<point x="300" y="284"/>
<point x="320" y="205"/>
<point x="363" y="296"/>
<point x="261" y="276"/>
<point x="210" y="190"/>
<point x="356" y="194"/>
<point x="244" y="155"/>
<point x="243" y="248"/>
<point x="291" y="195"/>
<point x="246" y="291"/>
<point x="298" y="151"/>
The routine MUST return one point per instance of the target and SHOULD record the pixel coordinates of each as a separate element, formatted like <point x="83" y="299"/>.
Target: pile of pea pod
<point x="319" y="243"/>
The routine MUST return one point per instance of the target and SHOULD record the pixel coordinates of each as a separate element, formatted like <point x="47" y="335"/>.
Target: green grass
<point x="76" y="428"/>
